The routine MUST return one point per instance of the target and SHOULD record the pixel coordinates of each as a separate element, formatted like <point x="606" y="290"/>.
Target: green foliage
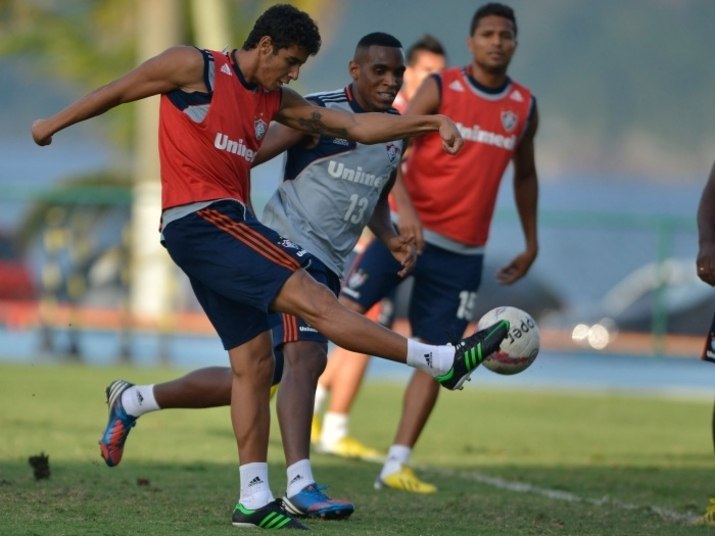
<point x="587" y="464"/>
<point x="86" y="43"/>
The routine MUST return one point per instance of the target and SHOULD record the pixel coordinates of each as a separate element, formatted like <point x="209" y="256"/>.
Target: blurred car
<point x="16" y="281"/>
<point x="664" y="296"/>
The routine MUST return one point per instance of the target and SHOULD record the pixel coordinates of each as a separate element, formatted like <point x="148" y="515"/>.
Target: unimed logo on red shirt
<point x="237" y="147"/>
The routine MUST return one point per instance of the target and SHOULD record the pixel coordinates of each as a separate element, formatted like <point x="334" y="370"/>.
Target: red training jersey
<point x="211" y="159"/>
<point x="455" y="195"/>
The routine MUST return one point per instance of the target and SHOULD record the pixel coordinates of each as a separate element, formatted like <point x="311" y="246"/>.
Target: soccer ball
<point x="520" y="347"/>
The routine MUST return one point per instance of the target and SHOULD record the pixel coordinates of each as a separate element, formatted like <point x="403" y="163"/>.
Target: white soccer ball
<point x="521" y="346"/>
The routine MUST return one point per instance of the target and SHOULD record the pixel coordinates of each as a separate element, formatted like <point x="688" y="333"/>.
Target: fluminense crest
<point x="508" y="120"/>
<point x="260" y="127"/>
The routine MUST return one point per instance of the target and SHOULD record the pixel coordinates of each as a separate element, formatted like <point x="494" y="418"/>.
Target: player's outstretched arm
<point x="369" y="127"/>
<point x="177" y="67"/>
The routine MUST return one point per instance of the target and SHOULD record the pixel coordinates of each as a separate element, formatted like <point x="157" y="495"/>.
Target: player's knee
<point x="319" y="305"/>
<point x="258" y="365"/>
<point x="352" y="305"/>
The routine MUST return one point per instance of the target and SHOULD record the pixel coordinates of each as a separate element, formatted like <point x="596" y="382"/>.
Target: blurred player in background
<point x="454" y="202"/>
<point x="345" y="370"/>
<point x="706" y="271"/>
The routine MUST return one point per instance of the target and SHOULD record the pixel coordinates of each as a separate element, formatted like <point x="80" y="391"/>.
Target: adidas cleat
<point x="270" y="516"/>
<point x="404" y="480"/>
<point x="111" y="444"/>
<point x="708" y="518"/>
<point x="471" y="351"/>
<point x="312" y="502"/>
<point x="349" y="447"/>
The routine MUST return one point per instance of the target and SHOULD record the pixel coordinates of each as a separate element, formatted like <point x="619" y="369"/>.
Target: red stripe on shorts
<point x="290" y="328"/>
<point x="253" y="239"/>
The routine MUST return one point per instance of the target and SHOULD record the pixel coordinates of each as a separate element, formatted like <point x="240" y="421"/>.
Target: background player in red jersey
<point x="343" y="375"/>
<point x="454" y="202"/>
<point x="240" y="270"/>
<point x="706" y="271"/>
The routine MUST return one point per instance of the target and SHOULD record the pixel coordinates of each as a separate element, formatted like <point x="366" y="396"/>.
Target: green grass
<point x="506" y="463"/>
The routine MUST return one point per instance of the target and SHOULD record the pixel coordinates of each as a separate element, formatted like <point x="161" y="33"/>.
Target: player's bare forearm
<point x="380" y="223"/>
<point x="178" y="67"/>
<point x="95" y="103"/>
<point x="402" y="247"/>
<point x="368" y="128"/>
<point x="526" y="195"/>
<point x="315" y="123"/>
<point x="379" y="127"/>
<point x="706" y="232"/>
<point x="408" y="220"/>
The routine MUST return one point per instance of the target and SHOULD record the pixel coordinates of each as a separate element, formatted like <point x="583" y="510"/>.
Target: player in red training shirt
<point x="454" y="202"/>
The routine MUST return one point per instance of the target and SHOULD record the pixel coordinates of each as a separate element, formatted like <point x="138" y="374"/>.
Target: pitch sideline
<point x="525" y="487"/>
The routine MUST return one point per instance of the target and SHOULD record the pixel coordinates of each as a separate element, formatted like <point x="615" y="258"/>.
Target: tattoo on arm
<point x="316" y="126"/>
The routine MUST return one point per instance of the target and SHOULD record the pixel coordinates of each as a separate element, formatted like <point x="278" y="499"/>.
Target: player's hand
<point x="706" y="263"/>
<point x="452" y="140"/>
<point x="38" y="133"/>
<point x="411" y="227"/>
<point x="516" y="269"/>
<point x="403" y="249"/>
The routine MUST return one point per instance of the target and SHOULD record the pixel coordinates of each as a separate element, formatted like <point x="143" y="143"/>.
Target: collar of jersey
<point x="237" y="70"/>
<point x="482" y="87"/>
<point x="352" y="101"/>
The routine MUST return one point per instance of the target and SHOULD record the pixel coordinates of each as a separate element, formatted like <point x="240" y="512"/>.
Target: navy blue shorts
<point x="385" y="310"/>
<point x="289" y="328"/>
<point x="443" y="295"/>
<point x="236" y="266"/>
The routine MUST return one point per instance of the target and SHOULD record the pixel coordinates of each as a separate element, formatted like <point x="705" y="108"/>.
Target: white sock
<point x="139" y="399"/>
<point x="335" y="428"/>
<point x="434" y="360"/>
<point x="300" y="475"/>
<point x="321" y="395"/>
<point x="397" y="455"/>
<point x="255" y="491"/>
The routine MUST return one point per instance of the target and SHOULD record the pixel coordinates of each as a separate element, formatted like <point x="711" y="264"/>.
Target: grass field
<point x="506" y="462"/>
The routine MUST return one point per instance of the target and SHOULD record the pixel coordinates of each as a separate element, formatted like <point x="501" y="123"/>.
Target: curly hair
<point x="287" y="26"/>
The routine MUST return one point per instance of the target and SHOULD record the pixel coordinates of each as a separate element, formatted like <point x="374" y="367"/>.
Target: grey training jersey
<point x="329" y="192"/>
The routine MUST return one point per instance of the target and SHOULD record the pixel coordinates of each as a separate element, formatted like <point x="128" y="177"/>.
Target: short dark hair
<point x="380" y="39"/>
<point x="492" y="8"/>
<point x="287" y="26"/>
<point x="426" y="43"/>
